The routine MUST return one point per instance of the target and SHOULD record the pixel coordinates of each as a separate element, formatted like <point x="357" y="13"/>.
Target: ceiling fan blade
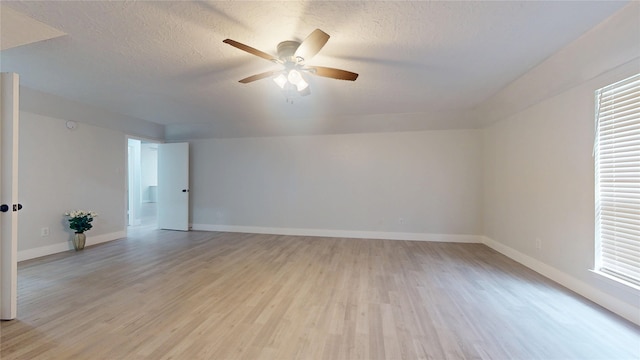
<point x="312" y="44"/>
<point x="333" y="73"/>
<point x="251" y="50"/>
<point x="258" y="76"/>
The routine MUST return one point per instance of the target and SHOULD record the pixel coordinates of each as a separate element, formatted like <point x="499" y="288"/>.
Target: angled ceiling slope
<point x="19" y="29"/>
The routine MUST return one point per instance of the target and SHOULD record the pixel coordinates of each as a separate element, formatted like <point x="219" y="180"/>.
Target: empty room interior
<point x="320" y="179"/>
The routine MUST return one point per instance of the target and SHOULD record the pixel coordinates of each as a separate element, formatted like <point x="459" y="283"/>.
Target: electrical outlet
<point x="538" y="244"/>
<point x="401" y="221"/>
<point x="44" y="231"/>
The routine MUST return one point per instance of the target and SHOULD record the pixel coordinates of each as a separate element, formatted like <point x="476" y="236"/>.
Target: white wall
<point x="38" y="102"/>
<point x="391" y="184"/>
<point x="62" y="170"/>
<point x="539" y="174"/>
<point x="148" y="170"/>
<point x="134" y="187"/>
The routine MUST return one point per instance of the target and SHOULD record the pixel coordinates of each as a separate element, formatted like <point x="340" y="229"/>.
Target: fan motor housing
<point x="287" y="50"/>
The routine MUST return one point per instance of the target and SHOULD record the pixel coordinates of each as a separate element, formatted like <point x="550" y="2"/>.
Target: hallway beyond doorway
<point x="142" y="183"/>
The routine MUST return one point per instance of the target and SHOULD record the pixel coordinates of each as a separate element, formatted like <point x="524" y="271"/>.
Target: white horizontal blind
<point x="617" y="163"/>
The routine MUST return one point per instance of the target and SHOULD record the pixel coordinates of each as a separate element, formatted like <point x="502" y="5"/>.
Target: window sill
<point x="621" y="284"/>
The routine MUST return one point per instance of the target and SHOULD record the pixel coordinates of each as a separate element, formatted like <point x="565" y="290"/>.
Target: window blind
<point x="617" y="164"/>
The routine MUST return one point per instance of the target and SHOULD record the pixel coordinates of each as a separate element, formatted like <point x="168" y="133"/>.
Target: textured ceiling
<point x="422" y="64"/>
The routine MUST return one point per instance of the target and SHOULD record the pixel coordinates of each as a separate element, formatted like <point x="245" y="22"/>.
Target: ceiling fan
<point x="293" y="56"/>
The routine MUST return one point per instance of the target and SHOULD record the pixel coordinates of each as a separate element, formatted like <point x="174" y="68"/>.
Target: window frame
<point x="606" y="261"/>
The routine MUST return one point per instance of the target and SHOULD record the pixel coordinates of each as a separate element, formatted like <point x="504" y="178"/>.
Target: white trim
<point x="618" y="283"/>
<point x="340" y="233"/>
<point x="607" y="301"/>
<point x="66" y="246"/>
<point x="145" y="139"/>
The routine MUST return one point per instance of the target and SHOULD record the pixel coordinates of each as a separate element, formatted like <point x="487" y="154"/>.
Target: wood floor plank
<point x="211" y="295"/>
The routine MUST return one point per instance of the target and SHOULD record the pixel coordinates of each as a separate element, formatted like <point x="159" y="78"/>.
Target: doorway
<point x="142" y="184"/>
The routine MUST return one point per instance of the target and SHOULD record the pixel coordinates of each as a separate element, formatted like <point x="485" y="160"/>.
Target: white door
<point x="9" y="92"/>
<point x="173" y="186"/>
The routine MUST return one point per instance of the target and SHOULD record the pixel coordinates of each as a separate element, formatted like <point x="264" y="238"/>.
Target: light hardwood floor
<point x="204" y="295"/>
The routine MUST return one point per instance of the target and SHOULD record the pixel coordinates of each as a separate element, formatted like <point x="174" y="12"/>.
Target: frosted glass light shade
<point x="281" y="80"/>
<point x="294" y="77"/>
<point x="301" y="85"/>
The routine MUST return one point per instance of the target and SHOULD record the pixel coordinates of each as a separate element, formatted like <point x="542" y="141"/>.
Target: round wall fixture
<point x="71" y="125"/>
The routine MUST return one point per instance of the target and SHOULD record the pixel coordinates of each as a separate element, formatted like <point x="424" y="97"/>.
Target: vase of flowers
<point x="79" y="222"/>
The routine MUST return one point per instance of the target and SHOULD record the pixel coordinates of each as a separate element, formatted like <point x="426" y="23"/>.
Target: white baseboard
<point x="66" y="246"/>
<point x="340" y="233"/>
<point x="605" y="300"/>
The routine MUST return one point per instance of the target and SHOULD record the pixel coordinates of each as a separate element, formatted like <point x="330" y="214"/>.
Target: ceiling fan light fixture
<point x="292" y="55"/>
<point x="301" y="85"/>
<point x="294" y="77"/>
<point x="281" y="80"/>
